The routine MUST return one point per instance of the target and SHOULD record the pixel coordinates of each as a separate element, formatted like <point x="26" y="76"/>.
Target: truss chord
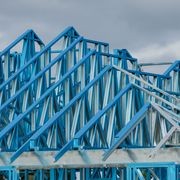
<point x="71" y="109"/>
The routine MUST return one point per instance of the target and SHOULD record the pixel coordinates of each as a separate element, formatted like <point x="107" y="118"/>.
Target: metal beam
<point x="89" y="158"/>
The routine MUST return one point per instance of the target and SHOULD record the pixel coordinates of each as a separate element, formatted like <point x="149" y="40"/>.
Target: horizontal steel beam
<point x="89" y="158"/>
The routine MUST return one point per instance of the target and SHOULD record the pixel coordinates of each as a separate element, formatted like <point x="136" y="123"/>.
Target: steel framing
<point x="79" y="111"/>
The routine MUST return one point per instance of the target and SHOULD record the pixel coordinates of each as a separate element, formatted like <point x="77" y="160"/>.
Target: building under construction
<point x="71" y="109"/>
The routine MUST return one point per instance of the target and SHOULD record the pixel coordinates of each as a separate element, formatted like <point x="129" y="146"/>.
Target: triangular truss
<point x="74" y="95"/>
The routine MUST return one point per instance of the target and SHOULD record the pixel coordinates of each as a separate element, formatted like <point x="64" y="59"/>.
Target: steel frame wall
<point x="73" y="96"/>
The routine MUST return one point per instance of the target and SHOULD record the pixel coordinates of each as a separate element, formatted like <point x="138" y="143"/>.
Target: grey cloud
<point x="134" y="25"/>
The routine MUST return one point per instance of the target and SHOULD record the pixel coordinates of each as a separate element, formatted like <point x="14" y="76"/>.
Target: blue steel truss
<point x="73" y="95"/>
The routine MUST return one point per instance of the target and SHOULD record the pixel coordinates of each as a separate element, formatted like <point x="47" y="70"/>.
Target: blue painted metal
<point x="155" y="170"/>
<point x="73" y="94"/>
<point x="49" y="123"/>
<point x="125" y="131"/>
<point x="75" y="141"/>
<point x="49" y="91"/>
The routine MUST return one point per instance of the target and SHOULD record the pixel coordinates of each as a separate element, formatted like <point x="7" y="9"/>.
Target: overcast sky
<point x="149" y="29"/>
